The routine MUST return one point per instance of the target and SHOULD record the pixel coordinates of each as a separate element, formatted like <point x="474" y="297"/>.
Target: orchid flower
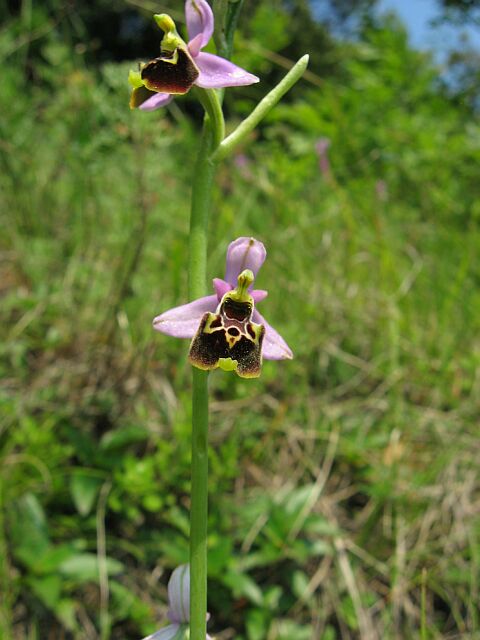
<point x="179" y="607"/>
<point x="181" y="65"/>
<point x="226" y="329"/>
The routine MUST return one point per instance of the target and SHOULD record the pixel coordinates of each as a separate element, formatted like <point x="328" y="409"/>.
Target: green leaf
<point x="288" y="629"/>
<point x="348" y="612"/>
<point x="84" y="489"/>
<point x="219" y="554"/>
<point x="329" y="633"/>
<point x="299" y="583"/>
<point x="65" y="612"/>
<point x="242" y="585"/>
<point x="47" y="589"/>
<point x="54" y="556"/>
<point x="258" y="622"/>
<point x="271" y="597"/>
<point x="83" y="567"/>
<point x="119" y="438"/>
<point x="320" y="526"/>
<point x="29" y="530"/>
<point x="175" y="549"/>
<point x="127" y="605"/>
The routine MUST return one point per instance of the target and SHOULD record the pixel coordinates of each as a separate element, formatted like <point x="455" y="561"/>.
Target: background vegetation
<point x="344" y="485"/>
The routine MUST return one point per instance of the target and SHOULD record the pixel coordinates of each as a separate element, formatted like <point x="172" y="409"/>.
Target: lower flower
<point x="229" y="339"/>
<point x="179" y="607"/>
<point x="226" y="329"/>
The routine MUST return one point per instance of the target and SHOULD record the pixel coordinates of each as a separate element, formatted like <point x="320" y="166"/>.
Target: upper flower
<point x="226" y="328"/>
<point x="182" y="65"/>
<point x="179" y="607"/>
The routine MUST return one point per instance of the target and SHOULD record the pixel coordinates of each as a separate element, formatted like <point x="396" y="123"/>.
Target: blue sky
<point x="417" y="14"/>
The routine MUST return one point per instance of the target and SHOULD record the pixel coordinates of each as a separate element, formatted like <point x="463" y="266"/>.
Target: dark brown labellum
<point x="139" y="96"/>
<point x="163" y="75"/>
<point x="215" y="340"/>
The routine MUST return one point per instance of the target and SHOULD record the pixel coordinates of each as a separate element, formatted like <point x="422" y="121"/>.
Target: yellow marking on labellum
<point x="221" y="340"/>
<point x="213" y="323"/>
<point x="170" y="58"/>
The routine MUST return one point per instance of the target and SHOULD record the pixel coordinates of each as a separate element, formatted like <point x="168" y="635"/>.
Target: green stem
<point x="199" y="507"/>
<point x="220" y="8"/>
<point x="226" y="17"/>
<point x="197" y="268"/>
<point x="261" y="110"/>
<point x="212" y="105"/>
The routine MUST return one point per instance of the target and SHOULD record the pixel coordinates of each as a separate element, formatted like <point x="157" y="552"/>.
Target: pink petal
<point x="183" y="321"/>
<point x="221" y="287"/>
<point x="156" y="101"/>
<point x="321" y="145"/>
<point x="216" y="73"/>
<point x="195" y="45"/>
<point x="199" y="17"/>
<point x="167" y="633"/>
<point x="179" y="594"/>
<point x="274" y="346"/>
<point x="244" y="253"/>
<point x="258" y="295"/>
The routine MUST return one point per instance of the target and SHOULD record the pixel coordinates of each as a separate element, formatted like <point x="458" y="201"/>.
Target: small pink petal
<point x="199" y="17"/>
<point x="179" y="594"/>
<point x="167" y="633"/>
<point x="321" y="145"/>
<point x="216" y="73"/>
<point x="195" y="45"/>
<point x="221" y="287"/>
<point x="258" y="295"/>
<point x="156" y="101"/>
<point x="244" y="253"/>
<point x="274" y="346"/>
<point x="183" y="321"/>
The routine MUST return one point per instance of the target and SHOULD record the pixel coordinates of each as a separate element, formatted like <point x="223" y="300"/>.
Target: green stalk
<point x="204" y="173"/>
<point x="197" y="269"/>
<point x="261" y="110"/>
<point x="226" y="17"/>
<point x="212" y="105"/>
<point x="199" y="507"/>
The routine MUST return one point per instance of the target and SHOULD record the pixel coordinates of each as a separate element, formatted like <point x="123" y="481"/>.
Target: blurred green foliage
<point x="344" y="485"/>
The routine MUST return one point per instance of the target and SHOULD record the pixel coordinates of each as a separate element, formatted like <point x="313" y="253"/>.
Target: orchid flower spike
<point x="226" y="329"/>
<point x="181" y="65"/>
<point x="179" y="607"/>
